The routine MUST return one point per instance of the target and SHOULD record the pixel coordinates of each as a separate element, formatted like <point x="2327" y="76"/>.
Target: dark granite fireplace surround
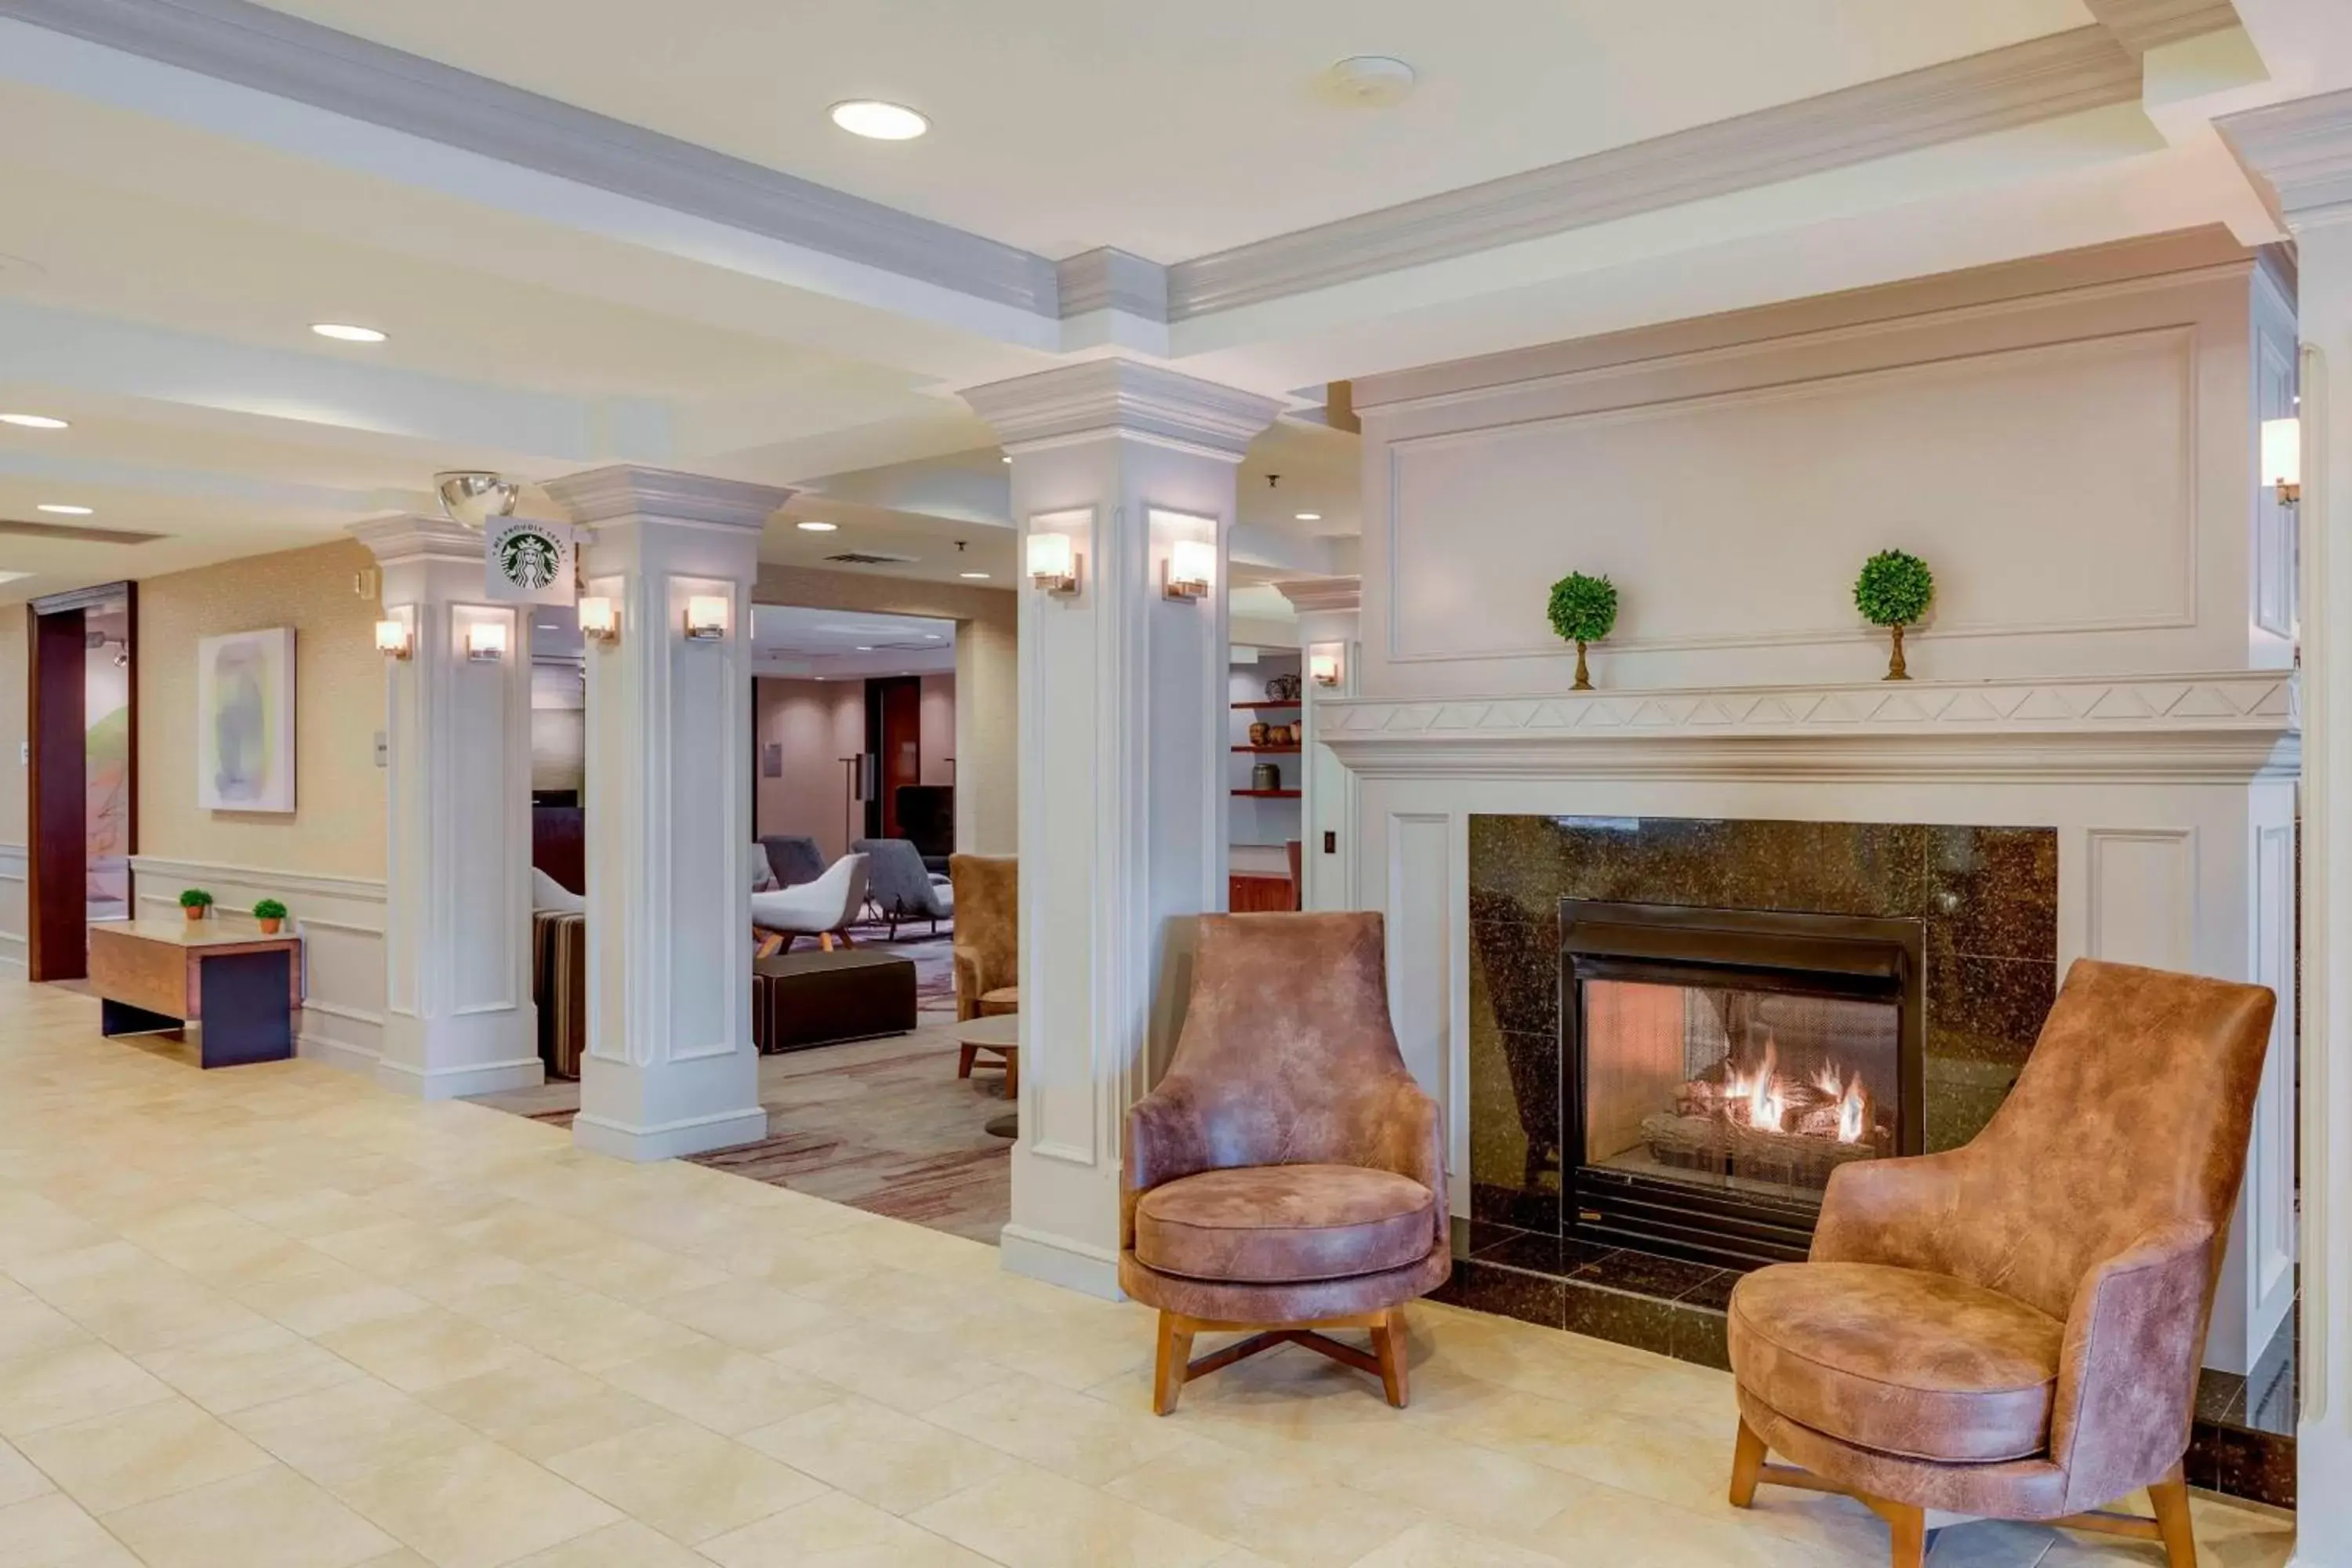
<point x="1988" y="901"/>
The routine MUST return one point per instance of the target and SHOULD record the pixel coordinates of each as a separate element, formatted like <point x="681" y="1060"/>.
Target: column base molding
<point x="669" y="1140"/>
<point x="460" y="1082"/>
<point x="1061" y="1260"/>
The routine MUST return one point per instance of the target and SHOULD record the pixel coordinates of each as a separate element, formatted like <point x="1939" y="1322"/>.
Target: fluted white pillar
<point x="1123" y="747"/>
<point x="669" y="1068"/>
<point x="458" y="1017"/>
<point x="2302" y="149"/>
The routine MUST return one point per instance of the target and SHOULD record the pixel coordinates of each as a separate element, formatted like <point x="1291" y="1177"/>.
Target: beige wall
<point x="338" y="825"/>
<point x="937" y="729"/>
<point x="988" y="692"/>
<point x="816" y="723"/>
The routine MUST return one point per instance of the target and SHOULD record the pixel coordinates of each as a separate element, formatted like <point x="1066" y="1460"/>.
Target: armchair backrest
<point x="794" y="857"/>
<point x="2133" y="1112"/>
<point x="988" y="916"/>
<point x="1286" y="1054"/>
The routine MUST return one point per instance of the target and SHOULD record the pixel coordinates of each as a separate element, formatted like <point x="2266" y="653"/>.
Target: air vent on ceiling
<point x="872" y="558"/>
<point x="22" y="529"/>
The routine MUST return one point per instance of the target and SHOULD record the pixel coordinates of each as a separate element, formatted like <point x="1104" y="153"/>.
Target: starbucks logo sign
<point x="531" y="562"/>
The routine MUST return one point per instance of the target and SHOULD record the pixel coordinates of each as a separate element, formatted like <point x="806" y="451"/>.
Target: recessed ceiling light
<point x="62" y="510"/>
<point x="934" y="637"/>
<point x="975" y="576"/>
<point x="879" y="121"/>
<point x="1008" y="460"/>
<point x="814" y="527"/>
<point x="862" y="648"/>
<point x="34" y="421"/>
<point x="343" y="332"/>
<point x="1309" y="516"/>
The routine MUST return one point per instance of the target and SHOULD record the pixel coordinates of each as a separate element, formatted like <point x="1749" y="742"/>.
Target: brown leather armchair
<point x="987" y="935"/>
<point x="1287" y="1176"/>
<point x="2012" y="1330"/>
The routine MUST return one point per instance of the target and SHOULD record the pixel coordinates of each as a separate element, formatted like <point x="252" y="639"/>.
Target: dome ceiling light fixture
<point x="35" y="422"/>
<point x="814" y="526"/>
<point x="877" y="121"/>
<point x="471" y="497"/>
<point x="1372" y="81"/>
<point x="344" y="332"/>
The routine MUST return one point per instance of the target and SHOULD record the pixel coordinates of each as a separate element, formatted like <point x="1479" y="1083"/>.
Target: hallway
<point x="276" y="1317"/>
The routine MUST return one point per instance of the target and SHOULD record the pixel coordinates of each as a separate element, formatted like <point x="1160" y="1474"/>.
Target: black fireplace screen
<point x="1724" y="1063"/>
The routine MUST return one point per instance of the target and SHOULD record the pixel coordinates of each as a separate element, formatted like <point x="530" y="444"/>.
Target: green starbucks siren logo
<point x="530" y="558"/>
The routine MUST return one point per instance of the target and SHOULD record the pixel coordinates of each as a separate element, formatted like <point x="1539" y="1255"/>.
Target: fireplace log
<point x="1714" y="1144"/>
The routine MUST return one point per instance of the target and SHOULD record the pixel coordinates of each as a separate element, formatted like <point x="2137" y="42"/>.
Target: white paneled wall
<point x="14" y="932"/>
<point x="340" y="922"/>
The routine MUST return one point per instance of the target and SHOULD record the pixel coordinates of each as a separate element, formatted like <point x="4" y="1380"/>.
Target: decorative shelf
<point x="1253" y="706"/>
<point x="1269" y="794"/>
<point x="1276" y="750"/>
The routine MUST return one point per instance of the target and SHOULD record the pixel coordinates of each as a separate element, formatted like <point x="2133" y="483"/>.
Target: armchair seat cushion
<point x="1285" y="1224"/>
<point x="1920" y="1365"/>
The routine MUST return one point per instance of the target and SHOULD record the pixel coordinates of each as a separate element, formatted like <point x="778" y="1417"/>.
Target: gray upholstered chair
<point x="899" y="885"/>
<point x="794" y="857"/>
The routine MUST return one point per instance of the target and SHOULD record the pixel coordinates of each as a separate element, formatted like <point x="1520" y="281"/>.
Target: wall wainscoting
<point x="341" y="919"/>
<point x="14" y="957"/>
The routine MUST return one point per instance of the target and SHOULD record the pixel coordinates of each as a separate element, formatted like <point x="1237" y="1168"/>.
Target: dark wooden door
<point x="894" y="711"/>
<point x="57" y="866"/>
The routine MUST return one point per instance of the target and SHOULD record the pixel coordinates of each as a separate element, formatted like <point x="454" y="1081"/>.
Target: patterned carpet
<point x="881" y="1125"/>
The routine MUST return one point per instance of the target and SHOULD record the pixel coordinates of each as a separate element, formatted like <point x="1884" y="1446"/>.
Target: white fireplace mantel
<point x="2231" y="726"/>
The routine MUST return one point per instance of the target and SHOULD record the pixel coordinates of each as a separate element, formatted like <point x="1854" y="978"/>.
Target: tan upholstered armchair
<point x="1287" y="1176"/>
<point x="987" y="934"/>
<point x="2012" y="1330"/>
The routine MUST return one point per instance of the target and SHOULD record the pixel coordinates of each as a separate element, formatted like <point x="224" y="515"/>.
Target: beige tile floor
<point x="275" y="1316"/>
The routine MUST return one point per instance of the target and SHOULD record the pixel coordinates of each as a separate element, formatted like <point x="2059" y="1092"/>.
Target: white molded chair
<point x="822" y="908"/>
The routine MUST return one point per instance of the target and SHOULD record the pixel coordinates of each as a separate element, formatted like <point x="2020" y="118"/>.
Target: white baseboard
<point x="456" y="1083"/>
<point x="1060" y="1260"/>
<point x="338" y="1054"/>
<point x="671" y="1140"/>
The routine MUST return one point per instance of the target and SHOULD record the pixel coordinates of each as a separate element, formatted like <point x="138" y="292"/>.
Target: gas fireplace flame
<point x="1765" y="1101"/>
<point x="1854" y="1112"/>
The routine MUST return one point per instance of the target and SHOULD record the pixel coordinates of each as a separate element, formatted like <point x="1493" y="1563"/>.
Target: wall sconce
<point x="485" y="642"/>
<point x="391" y="638"/>
<point x="1053" y="562"/>
<point x="1187" y="572"/>
<point x="1324" y="667"/>
<point x="2282" y="457"/>
<point x="705" y="618"/>
<point x="600" y="620"/>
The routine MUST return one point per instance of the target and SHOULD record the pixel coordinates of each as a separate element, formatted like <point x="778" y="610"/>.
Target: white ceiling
<point x="1170" y="131"/>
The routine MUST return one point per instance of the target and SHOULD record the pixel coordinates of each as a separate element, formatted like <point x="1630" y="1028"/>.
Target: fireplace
<point x="1722" y="1064"/>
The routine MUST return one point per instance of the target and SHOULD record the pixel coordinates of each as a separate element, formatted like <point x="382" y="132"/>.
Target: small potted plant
<point x="272" y="914"/>
<point x="1893" y="591"/>
<point x="196" y="903"/>
<point x="1583" y="610"/>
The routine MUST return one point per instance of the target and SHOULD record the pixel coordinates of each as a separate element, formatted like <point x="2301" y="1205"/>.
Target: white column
<point x="669" y="1068"/>
<point x="2303" y="150"/>
<point x="1330" y="610"/>
<point x="1123" y="738"/>
<point x="458" y="1017"/>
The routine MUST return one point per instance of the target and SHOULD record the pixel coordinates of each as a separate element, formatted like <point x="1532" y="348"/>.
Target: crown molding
<point x="269" y="51"/>
<point x="1312" y="595"/>
<point x="1109" y="280"/>
<point x="622" y="492"/>
<point x="1121" y="396"/>
<point x="2041" y="79"/>
<point x="2299" y="151"/>
<point x="2140" y="26"/>
<point x="2230" y="727"/>
<point x="420" y="536"/>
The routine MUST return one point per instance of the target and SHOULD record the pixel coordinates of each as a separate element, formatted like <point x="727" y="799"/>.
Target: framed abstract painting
<point x="245" y="721"/>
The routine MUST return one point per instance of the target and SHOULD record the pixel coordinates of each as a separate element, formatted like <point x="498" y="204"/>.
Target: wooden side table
<point x="999" y="1035"/>
<point x="240" y="988"/>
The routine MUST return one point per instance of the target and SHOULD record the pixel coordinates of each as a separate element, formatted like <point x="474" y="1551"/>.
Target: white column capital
<point x="2300" y="152"/>
<point x="624" y="492"/>
<point x="1123" y="397"/>
<point x="1314" y="595"/>
<point x="419" y="536"/>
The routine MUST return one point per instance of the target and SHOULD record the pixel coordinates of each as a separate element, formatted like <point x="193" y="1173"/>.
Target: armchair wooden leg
<point x="1390" y="1344"/>
<point x="1175" y="1360"/>
<point x="2171" y="1500"/>
<point x="1909" y="1525"/>
<point x="1746" y="1465"/>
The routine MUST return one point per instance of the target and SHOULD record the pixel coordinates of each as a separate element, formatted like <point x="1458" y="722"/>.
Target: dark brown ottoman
<point x="819" y="998"/>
